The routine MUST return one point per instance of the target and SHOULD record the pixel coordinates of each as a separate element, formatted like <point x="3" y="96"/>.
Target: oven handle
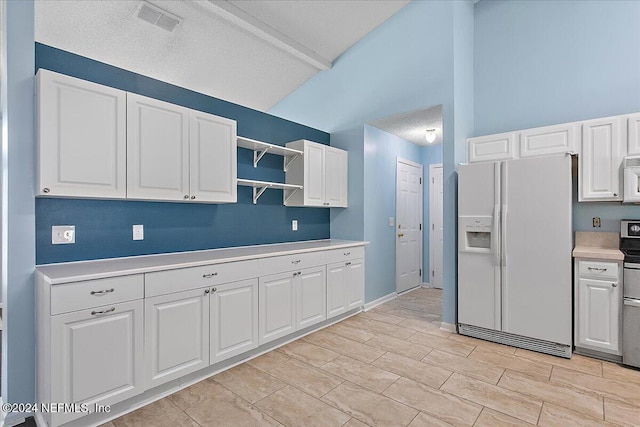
<point x="632" y="302"/>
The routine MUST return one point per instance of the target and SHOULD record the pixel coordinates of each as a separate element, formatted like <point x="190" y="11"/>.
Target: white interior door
<point x="437" y="226"/>
<point x="409" y="225"/>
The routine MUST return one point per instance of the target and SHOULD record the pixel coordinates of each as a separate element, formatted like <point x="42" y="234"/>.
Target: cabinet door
<point x="311" y="297"/>
<point x="336" y="289"/>
<point x="96" y="356"/>
<point x="314" y="179"/>
<point x="544" y="141"/>
<point x="234" y="319"/>
<point x="213" y="148"/>
<point x="633" y="136"/>
<point x="355" y="284"/>
<point x="601" y="160"/>
<point x="491" y="148"/>
<point x="335" y="172"/>
<point x="277" y="306"/>
<point x="599" y="315"/>
<point x="81" y="138"/>
<point x="157" y="149"/>
<point x="176" y="335"/>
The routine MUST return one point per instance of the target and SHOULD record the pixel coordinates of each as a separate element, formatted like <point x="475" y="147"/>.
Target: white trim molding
<point x="368" y="306"/>
<point x="449" y="327"/>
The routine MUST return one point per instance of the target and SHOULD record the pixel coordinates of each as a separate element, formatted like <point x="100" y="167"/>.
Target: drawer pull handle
<point x="347" y="263"/>
<point x="297" y="261"/>
<point x="208" y="276"/>
<point x="347" y="253"/>
<point x="597" y="269"/>
<point x="110" y="310"/>
<point x="102" y="292"/>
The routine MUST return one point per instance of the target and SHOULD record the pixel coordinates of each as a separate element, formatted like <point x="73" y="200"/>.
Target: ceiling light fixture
<point x="430" y="135"/>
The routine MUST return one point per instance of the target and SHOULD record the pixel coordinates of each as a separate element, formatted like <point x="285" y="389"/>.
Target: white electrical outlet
<point x="63" y="234"/>
<point x="138" y="232"/>
<point x="294" y="225"/>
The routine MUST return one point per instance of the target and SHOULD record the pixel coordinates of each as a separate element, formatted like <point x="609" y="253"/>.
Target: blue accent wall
<point x="103" y="227"/>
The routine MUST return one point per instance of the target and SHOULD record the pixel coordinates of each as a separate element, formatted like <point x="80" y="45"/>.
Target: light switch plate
<point x="63" y="234"/>
<point x="391" y="221"/>
<point x="138" y="232"/>
<point x="294" y="225"/>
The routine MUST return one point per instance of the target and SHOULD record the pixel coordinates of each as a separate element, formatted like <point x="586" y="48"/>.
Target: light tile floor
<point x="393" y="366"/>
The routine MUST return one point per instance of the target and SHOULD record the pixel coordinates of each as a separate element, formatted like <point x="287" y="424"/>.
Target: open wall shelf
<point x="260" y="187"/>
<point x="261" y="148"/>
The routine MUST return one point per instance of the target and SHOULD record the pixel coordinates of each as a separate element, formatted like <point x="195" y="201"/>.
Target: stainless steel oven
<point x="630" y="246"/>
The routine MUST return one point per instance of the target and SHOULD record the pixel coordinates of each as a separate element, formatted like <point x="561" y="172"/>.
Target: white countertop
<point x="597" y="245"/>
<point x="98" y="269"/>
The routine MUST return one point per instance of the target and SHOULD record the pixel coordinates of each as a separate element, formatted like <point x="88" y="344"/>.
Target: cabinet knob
<point x="193" y="197"/>
<point x="186" y="196"/>
<point x="214" y="289"/>
<point x="45" y="190"/>
<point x="614" y="285"/>
<point x="206" y="291"/>
<point x="615" y="194"/>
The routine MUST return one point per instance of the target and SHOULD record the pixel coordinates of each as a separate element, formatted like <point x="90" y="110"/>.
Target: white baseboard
<point x="368" y="306"/>
<point x="425" y="285"/>
<point x="449" y="327"/>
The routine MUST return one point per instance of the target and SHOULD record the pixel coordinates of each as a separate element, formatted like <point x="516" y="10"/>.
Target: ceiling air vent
<point x="156" y="16"/>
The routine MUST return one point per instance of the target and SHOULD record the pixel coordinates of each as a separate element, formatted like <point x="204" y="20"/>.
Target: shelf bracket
<point x="257" y="192"/>
<point x="294" y="191"/>
<point x="257" y="155"/>
<point x="288" y="161"/>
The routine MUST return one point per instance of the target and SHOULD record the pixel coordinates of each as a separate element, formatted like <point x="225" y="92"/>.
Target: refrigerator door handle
<point x="495" y="239"/>
<point x="503" y="235"/>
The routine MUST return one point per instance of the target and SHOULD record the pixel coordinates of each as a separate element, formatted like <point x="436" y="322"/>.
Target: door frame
<point x="432" y="244"/>
<point x="400" y="160"/>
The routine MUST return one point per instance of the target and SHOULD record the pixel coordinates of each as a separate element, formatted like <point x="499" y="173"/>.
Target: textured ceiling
<point x="412" y="126"/>
<point x="207" y="53"/>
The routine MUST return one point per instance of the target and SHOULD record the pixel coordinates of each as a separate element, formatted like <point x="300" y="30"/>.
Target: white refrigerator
<point x="514" y="253"/>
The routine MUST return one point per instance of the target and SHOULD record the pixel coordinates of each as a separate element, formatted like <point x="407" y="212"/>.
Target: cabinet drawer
<point x="283" y="263"/>
<point x="94" y="293"/>
<point x="346" y="254"/>
<point x="599" y="270"/>
<point x="166" y="282"/>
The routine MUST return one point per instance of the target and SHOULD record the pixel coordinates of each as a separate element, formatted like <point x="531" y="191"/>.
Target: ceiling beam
<point x="249" y="23"/>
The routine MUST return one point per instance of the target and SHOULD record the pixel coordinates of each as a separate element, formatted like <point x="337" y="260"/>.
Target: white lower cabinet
<point x="311" y="296"/>
<point x="153" y="328"/>
<point x="234" y="319"/>
<point x="277" y="306"/>
<point x="345" y="286"/>
<point x="96" y="356"/>
<point x="176" y="335"/>
<point x="598" y="307"/>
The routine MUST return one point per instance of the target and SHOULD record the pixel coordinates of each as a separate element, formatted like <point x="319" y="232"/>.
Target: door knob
<point x="400" y="234"/>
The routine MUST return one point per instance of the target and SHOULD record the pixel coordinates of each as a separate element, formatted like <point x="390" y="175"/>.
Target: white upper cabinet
<point x="81" y="138"/>
<point x="213" y="148"/>
<point x="492" y="147"/>
<point x="549" y="140"/>
<point x="633" y="129"/>
<point x="335" y="172"/>
<point x="157" y="149"/>
<point x="323" y="173"/>
<point x="98" y="142"/>
<point x="601" y="160"/>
